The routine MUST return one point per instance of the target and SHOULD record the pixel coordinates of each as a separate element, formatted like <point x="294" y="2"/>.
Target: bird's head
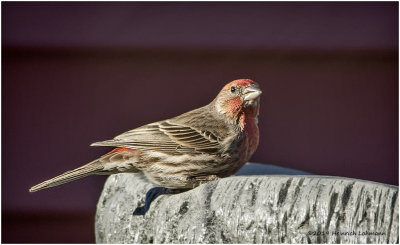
<point x="239" y="97"/>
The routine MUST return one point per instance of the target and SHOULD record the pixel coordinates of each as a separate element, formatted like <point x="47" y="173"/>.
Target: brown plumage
<point x="201" y="145"/>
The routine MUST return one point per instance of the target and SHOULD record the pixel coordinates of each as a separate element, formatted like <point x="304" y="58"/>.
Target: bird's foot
<point x="205" y="179"/>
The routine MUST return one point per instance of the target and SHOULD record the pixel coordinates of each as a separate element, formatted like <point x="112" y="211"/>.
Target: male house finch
<point x="201" y="145"/>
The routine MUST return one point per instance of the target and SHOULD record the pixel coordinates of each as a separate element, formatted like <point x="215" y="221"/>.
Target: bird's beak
<point x="252" y="92"/>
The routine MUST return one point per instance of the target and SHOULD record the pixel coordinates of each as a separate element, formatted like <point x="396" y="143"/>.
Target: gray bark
<point x="251" y="209"/>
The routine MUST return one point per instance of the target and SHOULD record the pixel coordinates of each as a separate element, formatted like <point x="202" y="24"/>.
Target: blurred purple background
<point x="75" y="73"/>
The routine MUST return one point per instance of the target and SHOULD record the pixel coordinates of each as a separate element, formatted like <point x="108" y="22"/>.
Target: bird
<point x="183" y="152"/>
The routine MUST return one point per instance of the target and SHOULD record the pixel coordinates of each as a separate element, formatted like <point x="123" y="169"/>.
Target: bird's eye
<point x="233" y="89"/>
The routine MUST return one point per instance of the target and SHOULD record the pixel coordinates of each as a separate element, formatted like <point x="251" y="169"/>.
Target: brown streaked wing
<point x="190" y="137"/>
<point x="166" y="137"/>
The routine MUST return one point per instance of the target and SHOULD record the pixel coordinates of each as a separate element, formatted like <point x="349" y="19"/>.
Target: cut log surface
<point x="250" y="209"/>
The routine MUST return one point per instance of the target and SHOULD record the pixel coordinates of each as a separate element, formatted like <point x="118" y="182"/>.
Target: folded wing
<point x="166" y="136"/>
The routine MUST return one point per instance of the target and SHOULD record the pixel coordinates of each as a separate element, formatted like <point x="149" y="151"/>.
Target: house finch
<point x="201" y="145"/>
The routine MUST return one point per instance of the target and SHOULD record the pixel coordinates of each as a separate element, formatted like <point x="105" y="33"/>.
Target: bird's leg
<point x="174" y="191"/>
<point x="205" y="179"/>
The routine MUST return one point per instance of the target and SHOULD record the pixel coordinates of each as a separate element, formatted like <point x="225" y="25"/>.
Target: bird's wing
<point x="187" y="136"/>
<point x="165" y="136"/>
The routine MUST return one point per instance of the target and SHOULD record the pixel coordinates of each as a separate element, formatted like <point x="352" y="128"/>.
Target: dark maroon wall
<point x="75" y="73"/>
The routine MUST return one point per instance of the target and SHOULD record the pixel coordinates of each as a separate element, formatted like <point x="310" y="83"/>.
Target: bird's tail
<point x="91" y="168"/>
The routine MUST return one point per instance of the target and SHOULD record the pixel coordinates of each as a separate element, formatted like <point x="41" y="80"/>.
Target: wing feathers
<point x="165" y="136"/>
